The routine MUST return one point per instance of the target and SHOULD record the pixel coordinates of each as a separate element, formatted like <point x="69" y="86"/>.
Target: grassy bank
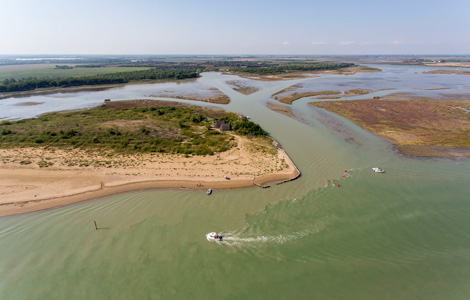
<point x="130" y="126"/>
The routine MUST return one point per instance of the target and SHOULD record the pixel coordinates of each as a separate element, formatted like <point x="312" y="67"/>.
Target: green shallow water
<point x="404" y="234"/>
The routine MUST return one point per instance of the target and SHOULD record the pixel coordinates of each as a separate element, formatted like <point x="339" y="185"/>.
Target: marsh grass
<point x="409" y="123"/>
<point x="288" y="99"/>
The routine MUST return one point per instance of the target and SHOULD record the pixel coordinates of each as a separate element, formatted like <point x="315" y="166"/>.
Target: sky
<point x="327" y="27"/>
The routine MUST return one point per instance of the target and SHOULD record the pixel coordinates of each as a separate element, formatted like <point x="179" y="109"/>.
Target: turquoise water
<point x="404" y="234"/>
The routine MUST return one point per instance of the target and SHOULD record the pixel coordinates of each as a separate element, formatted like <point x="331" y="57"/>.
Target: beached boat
<point x="213" y="237"/>
<point x="209" y="191"/>
<point x="378" y="170"/>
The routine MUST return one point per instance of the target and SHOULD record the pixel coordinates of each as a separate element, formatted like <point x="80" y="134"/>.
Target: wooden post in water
<point x="96" y="227"/>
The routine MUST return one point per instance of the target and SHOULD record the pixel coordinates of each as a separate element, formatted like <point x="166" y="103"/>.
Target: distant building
<point x="225" y="127"/>
<point x="222" y="125"/>
<point x="219" y="123"/>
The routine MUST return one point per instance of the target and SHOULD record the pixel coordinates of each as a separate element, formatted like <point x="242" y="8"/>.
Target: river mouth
<point x="400" y="234"/>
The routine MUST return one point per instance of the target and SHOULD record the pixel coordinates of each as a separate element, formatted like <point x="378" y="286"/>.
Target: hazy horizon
<point x="248" y="55"/>
<point x="243" y="28"/>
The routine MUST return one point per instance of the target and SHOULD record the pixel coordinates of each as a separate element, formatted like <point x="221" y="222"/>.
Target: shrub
<point x="6" y="132"/>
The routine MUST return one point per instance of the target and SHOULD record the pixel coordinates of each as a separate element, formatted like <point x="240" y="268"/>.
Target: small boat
<point x="213" y="237"/>
<point x="209" y="191"/>
<point x="378" y="170"/>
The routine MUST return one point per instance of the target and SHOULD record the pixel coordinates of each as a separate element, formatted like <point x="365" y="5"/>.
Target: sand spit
<point x="33" y="179"/>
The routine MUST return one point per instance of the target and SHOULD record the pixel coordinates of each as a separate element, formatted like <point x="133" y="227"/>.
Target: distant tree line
<point x="63" y="67"/>
<point x="161" y="72"/>
<point x="279" y="69"/>
<point x="164" y="70"/>
<point x="90" y="66"/>
<point x="239" y="64"/>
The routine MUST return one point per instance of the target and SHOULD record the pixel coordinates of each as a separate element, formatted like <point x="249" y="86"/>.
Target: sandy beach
<point x="33" y="179"/>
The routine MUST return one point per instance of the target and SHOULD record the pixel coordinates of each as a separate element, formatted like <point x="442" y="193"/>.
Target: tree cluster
<point x="161" y="72"/>
<point x="63" y="67"/>
<point x="242" y="126"/>
<point x="273" y="69"/>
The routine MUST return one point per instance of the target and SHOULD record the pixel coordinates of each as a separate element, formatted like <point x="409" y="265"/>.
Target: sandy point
<point x="33" y="179"/>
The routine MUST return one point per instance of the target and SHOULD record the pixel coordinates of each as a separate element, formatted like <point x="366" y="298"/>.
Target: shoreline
<point x="22" y="207"/>
<point x="29" y="188"/>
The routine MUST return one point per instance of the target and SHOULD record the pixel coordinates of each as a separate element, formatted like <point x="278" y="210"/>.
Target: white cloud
<point x="319" y="43"/>
<point x="397" y="42"/>
<point x="285" y="43"/>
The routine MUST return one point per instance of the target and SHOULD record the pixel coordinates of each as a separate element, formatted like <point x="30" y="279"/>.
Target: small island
<point x="62" y="158"/>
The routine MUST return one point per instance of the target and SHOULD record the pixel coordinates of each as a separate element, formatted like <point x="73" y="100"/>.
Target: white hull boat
<point x="213" y="237"/>
<point x="378" y="170"/>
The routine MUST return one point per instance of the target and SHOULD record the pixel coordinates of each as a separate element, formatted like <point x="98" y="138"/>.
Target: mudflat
<point x="416" y="127"/>
<point x="457" y="72"/>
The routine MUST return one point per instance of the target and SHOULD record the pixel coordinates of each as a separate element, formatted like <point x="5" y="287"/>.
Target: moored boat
<point x="378" y="170"/>
<point x="209" y="191"/>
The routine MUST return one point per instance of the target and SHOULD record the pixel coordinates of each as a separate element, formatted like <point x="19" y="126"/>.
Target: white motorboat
<point x="213" y="237"/>
<point x="209" y="191"/>
<point x="378" y="170"/>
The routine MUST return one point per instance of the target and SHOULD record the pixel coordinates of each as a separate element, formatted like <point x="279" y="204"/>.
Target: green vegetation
<point x="162" y="72"/>
<point x="39" y="71"/>
<point x="63" y="67"/>
<point x="158" y="128"/>
<point x="27" y="75"/>
<point x="90" y="66"/>
<point x="272" y="69"/>
<point x="243" y="126"/>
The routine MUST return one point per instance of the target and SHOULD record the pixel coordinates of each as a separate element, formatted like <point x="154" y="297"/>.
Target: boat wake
<point x="268" y="228"/>
<point x="237" y="240"/>
<point x="243" y="238"/>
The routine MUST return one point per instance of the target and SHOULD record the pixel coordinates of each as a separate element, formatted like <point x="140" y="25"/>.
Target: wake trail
<point x="245" y="239"/>
<point x="238" y="240"/>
